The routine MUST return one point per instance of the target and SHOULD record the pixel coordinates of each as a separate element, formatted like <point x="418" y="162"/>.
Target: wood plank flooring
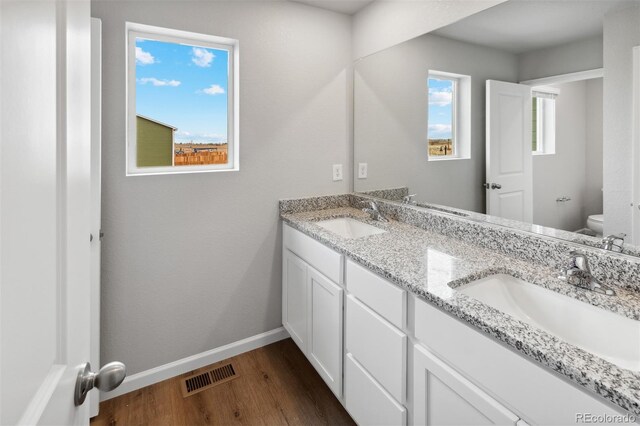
<point x="277" y="386"/>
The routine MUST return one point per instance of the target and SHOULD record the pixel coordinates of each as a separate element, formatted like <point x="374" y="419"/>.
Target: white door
<point x="325" y="329"/>
<point x="443" y="397"/>
<point x="45" y="209"/>
<point x="508" y="151"/>
<point x="636" y="147"/>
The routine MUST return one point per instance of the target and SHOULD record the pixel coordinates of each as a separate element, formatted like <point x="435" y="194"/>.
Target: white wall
<point x="385" y="23"/>
<point x="390" y="127"/>
<point x="192" y="262"/>
<point x="565" y="173"/>
<point x="581" y="55"/>
<point x="621" y="34"/>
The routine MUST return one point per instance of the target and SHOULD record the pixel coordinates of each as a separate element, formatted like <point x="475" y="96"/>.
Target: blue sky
<point x="440" y="108"/>
<point x="185" y="87"/>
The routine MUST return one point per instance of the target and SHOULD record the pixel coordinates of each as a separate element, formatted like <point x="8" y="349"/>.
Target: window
<point x="449" y="115"/>
<point x="543" y="108"/>
<point x="182" y="102"/>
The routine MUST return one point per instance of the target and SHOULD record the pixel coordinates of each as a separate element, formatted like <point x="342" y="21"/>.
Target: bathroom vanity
<point x="382" y="311"/>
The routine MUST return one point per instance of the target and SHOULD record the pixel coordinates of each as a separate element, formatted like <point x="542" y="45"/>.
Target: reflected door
<point x="508" y="151"/>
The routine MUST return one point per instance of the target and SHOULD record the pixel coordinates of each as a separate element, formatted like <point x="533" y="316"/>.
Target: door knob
<point x="107" y="379"/>
<point x="496" y="186"/>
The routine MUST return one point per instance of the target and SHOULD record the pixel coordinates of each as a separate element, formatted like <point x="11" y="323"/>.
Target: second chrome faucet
<point x="579" y="274"/>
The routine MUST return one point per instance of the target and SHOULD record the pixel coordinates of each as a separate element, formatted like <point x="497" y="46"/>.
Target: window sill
<point x="179" y="172"/>
<point x="542" y="153"/>
<point x="436" y="159"/>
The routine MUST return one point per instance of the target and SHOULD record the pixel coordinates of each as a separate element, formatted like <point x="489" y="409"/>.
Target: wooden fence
<point x="200" y="158"/>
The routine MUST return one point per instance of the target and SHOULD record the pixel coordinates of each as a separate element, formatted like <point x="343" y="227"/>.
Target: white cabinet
<point x="535" y="393"/>
<point x="294" y="298"/>
<point x="367" y="401"/>
<point x="380" y="295"/>
<point x="444" y="397"/>
<point x="378" y="346"/>
<point x="312" y="314"/>
<point x="325" y="329"/>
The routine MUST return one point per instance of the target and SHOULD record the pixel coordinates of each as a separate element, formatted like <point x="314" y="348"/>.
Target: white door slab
<point x="45" y="204"/>
<point x="508" y="151"/>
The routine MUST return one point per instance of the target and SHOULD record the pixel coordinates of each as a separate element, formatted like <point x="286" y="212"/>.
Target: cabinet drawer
<point x="377" y="293"/>
<point x="366" y="401"/>
<point x="321" y="257"/>
<point x="378" y="346"/>
<point x="526" y="388"/>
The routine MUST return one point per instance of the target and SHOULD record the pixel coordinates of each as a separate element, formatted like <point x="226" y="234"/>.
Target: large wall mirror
<point x="526" y="114"/>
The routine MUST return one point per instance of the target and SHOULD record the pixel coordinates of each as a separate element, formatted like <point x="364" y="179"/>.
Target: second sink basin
<point x="603" y="333"/>
<point x="349" y="228"/>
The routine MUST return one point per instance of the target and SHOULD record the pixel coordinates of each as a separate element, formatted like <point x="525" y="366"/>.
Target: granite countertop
<point x="431" y="265"/>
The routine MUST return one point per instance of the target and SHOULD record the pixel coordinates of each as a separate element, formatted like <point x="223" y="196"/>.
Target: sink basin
<point x="603" y="333"/>
<point x="347" y="227"/>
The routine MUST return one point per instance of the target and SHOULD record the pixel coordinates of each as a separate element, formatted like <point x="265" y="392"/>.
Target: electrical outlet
<point x="337" y="172"/>
<point x="362" y="170"/>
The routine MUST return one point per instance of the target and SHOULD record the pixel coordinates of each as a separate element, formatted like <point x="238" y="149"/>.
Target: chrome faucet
<point x="609" y="242"/>
<point x="374" y="212"/>
<point x="578" y="273"/>
<point x="408" y="199"/>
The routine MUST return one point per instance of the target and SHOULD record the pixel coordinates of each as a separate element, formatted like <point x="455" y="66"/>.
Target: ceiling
<point x="519" y="26"/>
<point x="348" y="7"/>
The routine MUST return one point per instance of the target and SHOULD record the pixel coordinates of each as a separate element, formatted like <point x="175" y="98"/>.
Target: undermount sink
<point x="603" y="333"/>
<point x="347" y="227"/>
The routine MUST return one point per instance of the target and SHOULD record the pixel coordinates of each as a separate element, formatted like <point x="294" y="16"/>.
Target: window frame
<point x="461" y="115"/>
<point x="133" y="31"/>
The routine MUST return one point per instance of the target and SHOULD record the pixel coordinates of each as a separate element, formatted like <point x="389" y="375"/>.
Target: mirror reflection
<point x="522" y="115"/>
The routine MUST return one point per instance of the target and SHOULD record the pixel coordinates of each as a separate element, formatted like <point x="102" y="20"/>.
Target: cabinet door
<point x="325" y="329"/>
<point x="443" y="397"/>
<point x="367" y="401"/>
<point x="294" y="299"/>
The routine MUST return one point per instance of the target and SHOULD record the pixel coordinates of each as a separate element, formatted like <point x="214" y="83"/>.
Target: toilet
<point x="594" y="222"/>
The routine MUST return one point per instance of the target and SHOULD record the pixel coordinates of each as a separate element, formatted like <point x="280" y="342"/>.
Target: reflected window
<point x="543" y="135"/>
<point x="442" y="105"/>
<point x="448" y="116"/>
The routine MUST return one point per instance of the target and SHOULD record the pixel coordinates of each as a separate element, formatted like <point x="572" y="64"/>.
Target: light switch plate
<point x="337" y="172"/>
<point x="362" y="170"/>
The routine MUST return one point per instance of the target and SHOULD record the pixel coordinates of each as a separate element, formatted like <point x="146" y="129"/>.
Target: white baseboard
<point x="184" y="365"/>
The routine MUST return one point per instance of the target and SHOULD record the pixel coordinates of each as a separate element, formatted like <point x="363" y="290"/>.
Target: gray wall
<point x="565" y="173"/>
<point x="621" y="34"/>
<point x="581" y="55"/>
<point x="390" y="126"/>
<point x="192" y="262"/>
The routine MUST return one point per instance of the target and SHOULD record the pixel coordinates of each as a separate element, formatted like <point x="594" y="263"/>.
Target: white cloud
<point x="439" y="130"/>
<point x="214" y="89"/>
<point x="144" y="58"/>
<point x="202" y="57"/>
<point x="156" y="82"/>
<point x="440" y="97"/>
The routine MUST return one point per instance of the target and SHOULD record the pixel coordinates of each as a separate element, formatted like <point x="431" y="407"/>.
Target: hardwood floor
<point x="277" y="386"/>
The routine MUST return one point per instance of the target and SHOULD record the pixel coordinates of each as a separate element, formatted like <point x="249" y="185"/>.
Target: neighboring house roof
<point x="157" y="122"/>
